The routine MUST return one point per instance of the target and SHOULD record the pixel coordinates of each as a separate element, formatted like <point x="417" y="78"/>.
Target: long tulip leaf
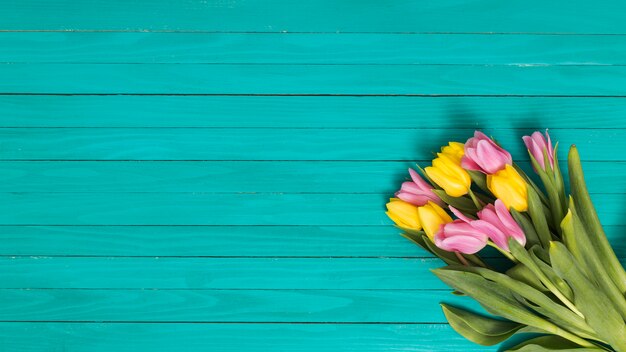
<point x="535" y="209"/>
<point x="589" y="298"/>
<point x="590" y="220"/>
<point x="497" y="294"/>
<point x="550" y="309"/>
<point x="579" y="243"/>
<point x="477" y="328"/>
<point x="527" y="226"/>
<point x="521" y="272"/>
<point x="551" y="343"/>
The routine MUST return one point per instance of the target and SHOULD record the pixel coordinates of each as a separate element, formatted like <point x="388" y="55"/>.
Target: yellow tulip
<point x="447" y="172"/>
<point x="403" y="214"/>
<point x="432" y="216"/>
<point x="454" y="150"/>
<point x="508" y="186"/>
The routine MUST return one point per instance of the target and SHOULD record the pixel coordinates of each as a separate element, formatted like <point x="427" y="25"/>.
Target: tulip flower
<point x="537" y="145"/>
<point x="403" y="214"/>
<point x="447" y="172"/>
<point x="431" y="217"/>
<point x="497" y="223"/>
<point x="460" y="236"/>
<point x="484" y="155"/>
<point x="510" y="187"/>
<point x="454" y="150"/>
<point x="418" y="192"/>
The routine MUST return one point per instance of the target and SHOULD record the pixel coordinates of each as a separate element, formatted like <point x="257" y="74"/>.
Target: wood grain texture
<point x="211" y="175"/>
<point x="277" y="144"/>
<point x="201" y="306"/>
<point x="532" y="16"/>
<point x="309" y="111"/>
<point x="131" y="337"/>
<point x="237" y="176"/>
<point x="219" y="273"/>
<point x="313" y="79"/>
<point x="308" y="48"/>
<point x="219" y="209"/>
<point x="226" y="241"/>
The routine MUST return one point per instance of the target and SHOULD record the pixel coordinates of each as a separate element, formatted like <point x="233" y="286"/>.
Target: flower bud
<point x="497" y="223"/>
<point x="460" y="236"/>
<point x="508" y="186"/>
<point x="484" y="155"/>
<point x="537" y="145"/>
<point x="447" y="172"/>
<point x="431" y="217"/>
<point x="403" y="214"/>
<point x="418" y="192"/>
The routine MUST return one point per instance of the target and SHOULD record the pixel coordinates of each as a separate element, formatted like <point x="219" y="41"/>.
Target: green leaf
<point x="521" y="272"/>
<point x="497" y="294"/>
<point x="527" y="226"/>
<point x="477" y="328"/>
<point x="495" y="298"/>
<point x="547" y="270"/>
<point x="551" y="343"/>
<point x="556" y="313"/>
<point x="591" y="222"/>
<point x="549" y="180"/>
<point x="535" y="210"/>
<point x="464" y="204"/>
<point x="589" y="298"/>
<point x="479" y="180"/>
<point x="585" y="251"/>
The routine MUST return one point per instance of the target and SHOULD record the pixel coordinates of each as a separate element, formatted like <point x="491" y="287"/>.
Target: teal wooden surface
<point x="211" y="175"/>
<point x="310" y="48"/>
<point x="276" y="144"/>
<point x="534" y="16"/>
<point x="309" y="112"/>
<point x="148" y="78"/>
<point x="218" y="209"/>
<point x="221" y="241"/>
<point x="373" y="177"/>
<point x="96" y="336"/>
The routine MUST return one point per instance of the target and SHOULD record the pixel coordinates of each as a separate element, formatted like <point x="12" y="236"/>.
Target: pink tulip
<point x="537" y="144"/>
<point x="460" y="236"/>
<point x="484" y="155"/>
<point x="418" y="192"/>
<point x="497" y="223"/>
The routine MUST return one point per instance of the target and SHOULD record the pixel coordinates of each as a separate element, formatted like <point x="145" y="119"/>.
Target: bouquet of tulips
<point x="554" y="273"/>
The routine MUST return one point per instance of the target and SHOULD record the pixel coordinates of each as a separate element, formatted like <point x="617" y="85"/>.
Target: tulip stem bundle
<point x="560" y="277"/>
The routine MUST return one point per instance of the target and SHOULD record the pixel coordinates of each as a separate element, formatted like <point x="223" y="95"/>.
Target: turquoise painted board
<point x="211" y="175"/>
<point x="533" y="16"/>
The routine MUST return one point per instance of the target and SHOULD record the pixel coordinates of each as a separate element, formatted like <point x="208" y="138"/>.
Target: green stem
<point x="505" y="253"/>
<point x="575" y="339"/>
<point x="477" y="202"/>
<point x="461" y="258"/>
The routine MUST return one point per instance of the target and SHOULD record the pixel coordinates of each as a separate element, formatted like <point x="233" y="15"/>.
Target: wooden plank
<point x="218" y="273"/>
<point x="238" y="176"/>
<point x="277" y="144"/>
<point x="218" y="209"/>
<point x="309" y="111"/>
<point x="321" y="16"/>
<point x="308" y="48"/>
<point x="130" y="337"/>
<point x="221" y="306"/>
<point x="221" y="241"/>
<point x="313" y="79"/>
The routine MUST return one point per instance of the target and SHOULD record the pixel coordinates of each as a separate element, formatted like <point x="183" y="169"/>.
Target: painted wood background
<point x="210" y="175"/>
